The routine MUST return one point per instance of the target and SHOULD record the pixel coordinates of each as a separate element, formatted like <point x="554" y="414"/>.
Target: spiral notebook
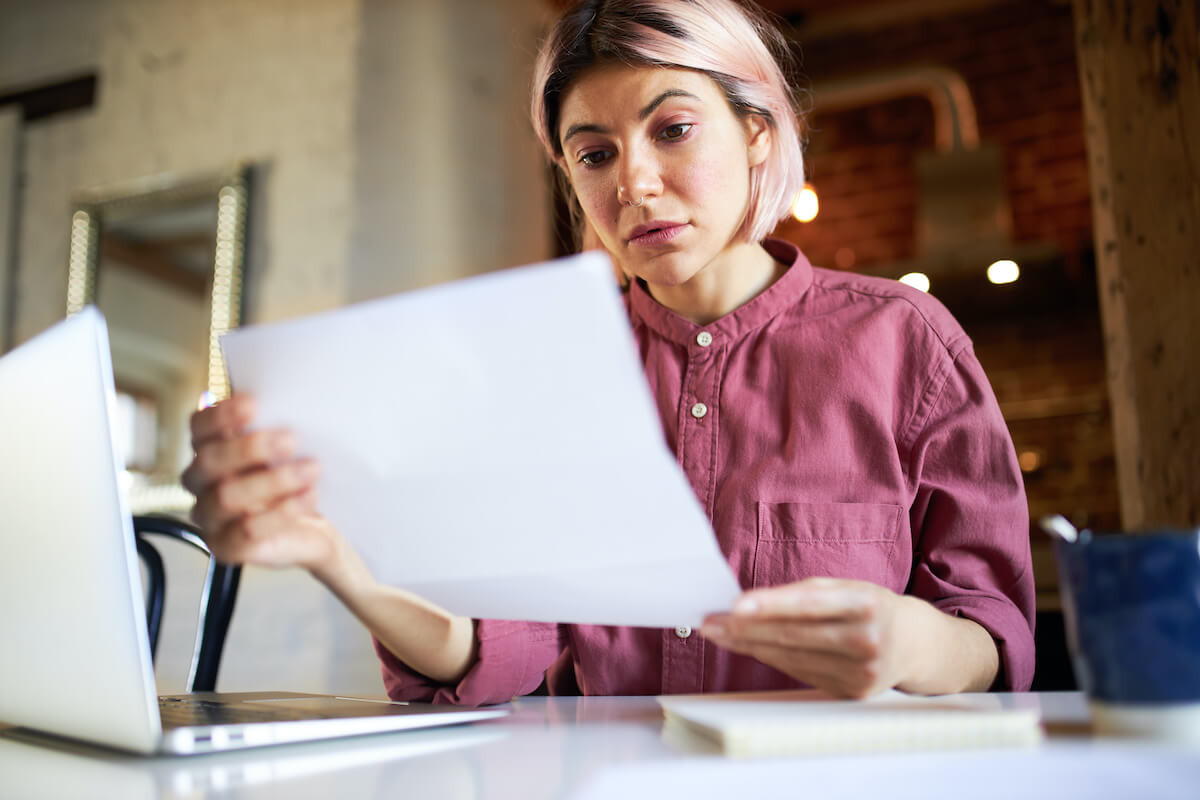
<point x="809" y="722"/>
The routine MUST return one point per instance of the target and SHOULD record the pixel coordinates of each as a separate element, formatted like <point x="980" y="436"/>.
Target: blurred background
<point x="333" y="151"/>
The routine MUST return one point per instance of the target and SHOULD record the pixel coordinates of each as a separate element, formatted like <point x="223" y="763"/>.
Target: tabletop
<point x="612" y="747"/>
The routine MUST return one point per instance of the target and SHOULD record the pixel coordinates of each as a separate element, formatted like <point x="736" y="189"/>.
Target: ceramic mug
<point x="1131" y="605"/>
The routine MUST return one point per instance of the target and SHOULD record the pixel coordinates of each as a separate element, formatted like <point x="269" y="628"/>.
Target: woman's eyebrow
<point x="656" y="102"/>
<point x="645" y="112"/>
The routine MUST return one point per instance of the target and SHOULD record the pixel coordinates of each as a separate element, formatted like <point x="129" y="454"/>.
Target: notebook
<point x="809" y="722"/>
<point x="75" y="654"/>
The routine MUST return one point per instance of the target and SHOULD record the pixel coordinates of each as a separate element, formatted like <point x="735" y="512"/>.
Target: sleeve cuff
<point x="512" y="660"/>
<point x="1012" y="633"/>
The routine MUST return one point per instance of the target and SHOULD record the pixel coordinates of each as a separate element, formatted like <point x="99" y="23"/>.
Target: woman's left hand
<point x="850" y="638"/>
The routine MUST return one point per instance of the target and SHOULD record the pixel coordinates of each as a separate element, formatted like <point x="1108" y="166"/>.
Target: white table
<point x="611" y="747"/>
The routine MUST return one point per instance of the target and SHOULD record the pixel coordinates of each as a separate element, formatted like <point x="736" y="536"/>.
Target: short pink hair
<point x="734" y="44"/>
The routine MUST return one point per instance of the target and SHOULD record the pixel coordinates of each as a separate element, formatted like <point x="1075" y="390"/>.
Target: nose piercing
<point x="638" y="204"/>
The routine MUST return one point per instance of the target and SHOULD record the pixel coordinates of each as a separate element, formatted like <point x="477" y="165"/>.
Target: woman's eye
<point x="594" y="158"/>
<point x="676" y="131"/>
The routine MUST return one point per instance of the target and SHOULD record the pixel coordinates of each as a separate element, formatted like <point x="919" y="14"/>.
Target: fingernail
<point x="245" y="408"/>
<point x="285" y="444"/>
<point x="747" y="605"/>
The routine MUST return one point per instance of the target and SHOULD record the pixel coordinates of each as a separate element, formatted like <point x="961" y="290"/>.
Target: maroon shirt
<point x="835" y="425"/>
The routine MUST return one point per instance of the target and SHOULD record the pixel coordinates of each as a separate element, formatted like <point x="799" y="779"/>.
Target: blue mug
<point x="1131" y="606"/>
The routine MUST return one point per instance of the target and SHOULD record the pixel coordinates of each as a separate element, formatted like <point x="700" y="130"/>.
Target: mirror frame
<point x="230" y="188"/>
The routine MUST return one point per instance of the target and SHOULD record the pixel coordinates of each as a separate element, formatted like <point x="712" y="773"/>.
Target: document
<point x="492" y="445"/>
<point x="1084" y="769"/>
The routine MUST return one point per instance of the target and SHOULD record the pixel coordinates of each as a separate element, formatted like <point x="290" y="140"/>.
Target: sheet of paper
<point x="492" y="445"/>
<point x="1080" y="770"/>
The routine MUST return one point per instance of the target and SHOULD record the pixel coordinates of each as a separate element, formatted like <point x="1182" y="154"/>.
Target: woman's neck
<point x="728" y="283"/>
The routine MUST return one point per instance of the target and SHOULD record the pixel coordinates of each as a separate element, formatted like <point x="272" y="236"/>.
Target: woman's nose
<point x="639" y="178"/>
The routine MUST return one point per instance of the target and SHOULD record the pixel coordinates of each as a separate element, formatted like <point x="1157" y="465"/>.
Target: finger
<point x="854" y="639"/>
<point x="829" y="671"/>
<point x="284" y="535"/>
<point x="812" y="599"/>
<point x="217" y="459"/>
<point x="842" y="677"/>
<point x="254" y="492"/>
<point x="223" y="419"/>
<point x="307" y="499"/>
<point x="796" y="659"/>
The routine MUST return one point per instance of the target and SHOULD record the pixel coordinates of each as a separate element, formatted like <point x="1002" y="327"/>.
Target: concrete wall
<point x="452" y="101"/>
<point x="391" y="151"/>
<point x="191" y="87"/>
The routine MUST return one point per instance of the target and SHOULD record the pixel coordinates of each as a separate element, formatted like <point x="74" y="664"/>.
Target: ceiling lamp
<point x="917" y="280"/>
<point x="1004" y="271"/>
<point x="806" y="205"/>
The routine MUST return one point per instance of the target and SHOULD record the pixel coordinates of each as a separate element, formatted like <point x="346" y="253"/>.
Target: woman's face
<point x="661" y="167"/>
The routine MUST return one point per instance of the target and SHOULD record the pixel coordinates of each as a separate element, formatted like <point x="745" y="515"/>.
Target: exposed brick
<point x="1018" y="59"/>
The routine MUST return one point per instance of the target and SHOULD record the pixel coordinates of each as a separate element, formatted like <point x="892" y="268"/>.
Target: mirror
<point x="163" y="260"/>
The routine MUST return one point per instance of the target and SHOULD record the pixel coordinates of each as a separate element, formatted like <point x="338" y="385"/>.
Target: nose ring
<point x="638" y="204"/>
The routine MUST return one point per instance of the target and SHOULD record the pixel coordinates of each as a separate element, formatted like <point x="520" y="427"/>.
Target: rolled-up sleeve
<point x="511" y="661"/>
<point x="970" y="518"/>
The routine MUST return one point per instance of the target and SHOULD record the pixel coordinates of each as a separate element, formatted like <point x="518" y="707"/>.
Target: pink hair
<point x="733" y="44"/>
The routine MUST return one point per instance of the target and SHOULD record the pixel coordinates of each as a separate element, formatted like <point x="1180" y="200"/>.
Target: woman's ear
<point x="758" y="139"/>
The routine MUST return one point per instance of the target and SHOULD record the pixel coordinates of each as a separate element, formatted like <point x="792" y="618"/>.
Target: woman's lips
<point x="655" y="233"/>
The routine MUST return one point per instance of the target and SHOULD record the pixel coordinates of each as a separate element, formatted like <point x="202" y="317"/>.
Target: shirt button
<point x="699" y="410"/>
<point x="683" y="631"/>
<point x="704" y="338"/>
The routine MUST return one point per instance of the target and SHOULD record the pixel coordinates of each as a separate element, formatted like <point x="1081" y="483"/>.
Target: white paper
<point x="492" y="445"/>
<point x="1076" y="770"/>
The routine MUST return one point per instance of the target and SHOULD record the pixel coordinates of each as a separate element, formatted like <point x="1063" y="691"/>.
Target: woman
<point x="837" y="429"/>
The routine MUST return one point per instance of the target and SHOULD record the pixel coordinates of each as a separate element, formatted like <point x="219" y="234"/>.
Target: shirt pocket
<point x="833" y="540"/>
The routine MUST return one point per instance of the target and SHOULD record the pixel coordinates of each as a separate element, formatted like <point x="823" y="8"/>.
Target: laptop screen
<point x="76" y="658"/>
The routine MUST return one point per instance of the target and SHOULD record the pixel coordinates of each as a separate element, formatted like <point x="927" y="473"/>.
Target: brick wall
<point x="1018" y="60"/>
<point x="1040" y="339"/>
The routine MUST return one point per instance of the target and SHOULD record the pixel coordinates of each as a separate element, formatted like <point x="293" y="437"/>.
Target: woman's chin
<point x="667" y="273"/>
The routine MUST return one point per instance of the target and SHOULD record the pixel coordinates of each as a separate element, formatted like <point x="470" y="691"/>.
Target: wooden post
<point x="1139" y="65"/>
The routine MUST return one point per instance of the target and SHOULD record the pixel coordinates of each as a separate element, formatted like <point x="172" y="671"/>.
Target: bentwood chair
<point x="218" y="594"/>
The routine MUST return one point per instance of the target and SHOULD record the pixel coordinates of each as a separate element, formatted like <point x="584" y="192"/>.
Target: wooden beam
<point x="153" y="260"/>
<point x="1139" y="65"/>
<point x="43" y="101"/>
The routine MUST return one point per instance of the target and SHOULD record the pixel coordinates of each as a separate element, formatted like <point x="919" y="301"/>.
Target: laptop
<point x="74" y="651"/>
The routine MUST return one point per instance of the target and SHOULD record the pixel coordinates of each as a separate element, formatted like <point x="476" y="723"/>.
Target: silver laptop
<point x="74" y="652"/>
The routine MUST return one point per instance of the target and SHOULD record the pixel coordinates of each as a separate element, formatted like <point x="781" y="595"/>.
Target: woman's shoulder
<point x="900" y="306"/>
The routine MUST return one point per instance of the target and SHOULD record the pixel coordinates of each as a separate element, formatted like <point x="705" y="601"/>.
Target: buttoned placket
<point x="683" y="653"/>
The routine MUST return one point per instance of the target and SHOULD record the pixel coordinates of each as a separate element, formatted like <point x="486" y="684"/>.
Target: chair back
<point x="218" y="595"/>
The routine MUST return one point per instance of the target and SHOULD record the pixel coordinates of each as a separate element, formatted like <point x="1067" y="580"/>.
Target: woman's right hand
<point x="255" y="500"/>
<point x="256" y="504"/>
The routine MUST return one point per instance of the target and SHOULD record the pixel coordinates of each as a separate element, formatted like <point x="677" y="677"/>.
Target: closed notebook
<point x="809" y="722"/>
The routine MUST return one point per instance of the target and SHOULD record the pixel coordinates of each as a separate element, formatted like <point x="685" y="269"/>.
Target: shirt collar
<point x="752" y="315"/>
